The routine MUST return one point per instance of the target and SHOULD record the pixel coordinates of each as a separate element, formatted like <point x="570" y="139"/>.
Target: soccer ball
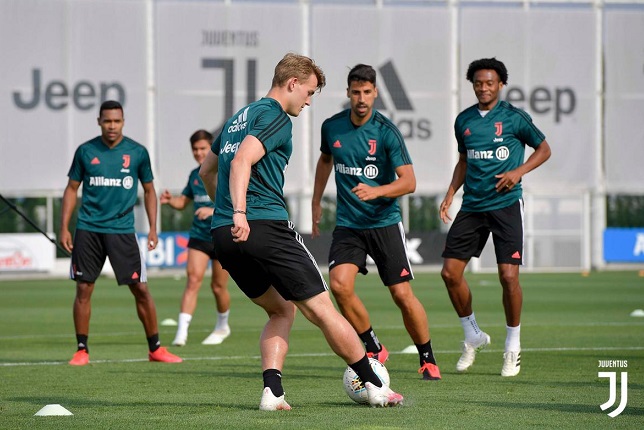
<point x="353" y="384"/>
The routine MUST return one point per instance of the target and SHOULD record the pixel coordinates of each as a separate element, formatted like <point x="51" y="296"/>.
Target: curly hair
<point x="488" y="64"/>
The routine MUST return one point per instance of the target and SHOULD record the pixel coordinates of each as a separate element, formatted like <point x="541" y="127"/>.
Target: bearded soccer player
<point x="110" y="167"/>
<point x="492" y="136"/>
<point x="372" y="168"/>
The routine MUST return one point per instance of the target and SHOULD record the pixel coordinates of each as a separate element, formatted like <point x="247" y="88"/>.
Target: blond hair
<point x="297" y="66"/>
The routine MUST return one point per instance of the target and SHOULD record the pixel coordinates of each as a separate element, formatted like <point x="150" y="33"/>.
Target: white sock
<point x="470" y="328"/>
<point x="222" y="320"/>
<point x="184" y="323"/>
<point x="513" y="339"/>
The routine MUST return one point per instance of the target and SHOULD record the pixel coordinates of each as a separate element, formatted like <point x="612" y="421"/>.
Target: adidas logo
<point x="240" y="122"/>
<point x="337" y="144"/>
<point x="404" y="272"/>
<point x="516" y="255"/>
<point x="135" y="275"/>
<point x="467" y="133"/>
<point x="95" y="160"/>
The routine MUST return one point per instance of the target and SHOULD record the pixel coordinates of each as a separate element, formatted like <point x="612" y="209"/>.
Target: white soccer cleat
<point x="217" y="336"/>
<point x="511" y="363"/>
<point x="469" y="352"/>
<point x="382" y="396"/>
<point x="271" y="403"/>
<point x="180" y="339"/>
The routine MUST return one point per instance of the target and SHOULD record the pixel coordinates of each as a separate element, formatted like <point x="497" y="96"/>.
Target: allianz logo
<point x="471" y="153"/>
<point x="102" y="181"/>
<point x="348" y="170"/>
<point x="240" y="122"/>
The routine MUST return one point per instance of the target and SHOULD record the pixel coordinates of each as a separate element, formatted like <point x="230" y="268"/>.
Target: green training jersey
<point x="266" y="120"/>
<point x="493" y="144"/>
<point x="195" y="191"/>
<point x="369" y="154"/>
<point x="110" y="179"/>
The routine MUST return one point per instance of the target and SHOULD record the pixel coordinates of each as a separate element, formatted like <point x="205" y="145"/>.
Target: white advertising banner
<point x="409" y="48"/>
<point x="60" y="60"/>
<point x="624" y="101"/>
<point x="213" y="59"/>
<point x="26" y="252"/>
<point x="551" y="76"/>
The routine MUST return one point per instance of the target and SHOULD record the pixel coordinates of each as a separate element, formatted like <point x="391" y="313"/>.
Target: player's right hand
<point x="240" y="229"/>
<point x="316" y="210"/>
<point x="66" y="240"/>
<point x="165" y="197"/>
<point x="444" y="208"/>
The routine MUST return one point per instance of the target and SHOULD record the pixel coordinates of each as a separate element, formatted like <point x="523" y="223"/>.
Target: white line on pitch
<point x="326" y="354"/>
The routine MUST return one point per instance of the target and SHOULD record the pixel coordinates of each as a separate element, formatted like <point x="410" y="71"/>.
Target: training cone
<point x="638" y="313"/>
<point x="169" y="322"/>
<point x="411" y="349"/>
<point x="51" y="410"/>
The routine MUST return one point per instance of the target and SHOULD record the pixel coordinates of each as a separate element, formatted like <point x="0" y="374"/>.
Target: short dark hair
<point x="488" y="64"/>
<point x="361" y="73"/>
<point x="109" y="105"/>
<point x="200" y="135"/>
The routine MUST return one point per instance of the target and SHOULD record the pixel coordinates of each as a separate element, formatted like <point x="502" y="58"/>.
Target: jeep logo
<point x="84" y="95"/>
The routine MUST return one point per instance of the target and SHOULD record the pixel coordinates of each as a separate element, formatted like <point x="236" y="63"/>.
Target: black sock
<point x="81" y="340"/>
<point x="365" y="372"/>
<point x="370" y="341"/>
<point x="273" y="380"/>
<point x="153" y="342"/>
<point x="425" y="353"/>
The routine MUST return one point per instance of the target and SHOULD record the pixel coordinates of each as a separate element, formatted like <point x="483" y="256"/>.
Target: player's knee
<point x="509" y="279"/>
<point x="285" y="311"/>
<point x="450" y="277"/>
<point x="194" y="280"/>
<point x="342" y="290"/>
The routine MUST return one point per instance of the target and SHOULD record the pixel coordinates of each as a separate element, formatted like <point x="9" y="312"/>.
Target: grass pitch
<point x="569" y="323"/>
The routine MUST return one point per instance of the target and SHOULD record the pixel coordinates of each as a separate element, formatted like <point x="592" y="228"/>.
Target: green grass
<point x="569" y="323"/>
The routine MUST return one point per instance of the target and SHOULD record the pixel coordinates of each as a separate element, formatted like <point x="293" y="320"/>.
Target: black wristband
<point x="239" y="212"/>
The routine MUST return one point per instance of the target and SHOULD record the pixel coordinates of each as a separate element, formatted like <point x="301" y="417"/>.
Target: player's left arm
<point x="405" y="183"/>
<point x="250" y="151"/>
<point x="208" y="174"/>
<point x="150" y="202"/>
<point x="507" y="181"/>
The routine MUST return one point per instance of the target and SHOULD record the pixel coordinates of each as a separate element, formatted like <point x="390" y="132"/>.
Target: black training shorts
<point x="206" y="247"/>
<point x="385" y="245"/>
<point x="470" y="231"/>
<point x="91" y="249"/>
<point x="274" y="254"/>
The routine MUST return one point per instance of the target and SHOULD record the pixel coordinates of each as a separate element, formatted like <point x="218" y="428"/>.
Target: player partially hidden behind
<point x="368" y="216"/>
<point x="258" y="245"/>
<point x="200" y="249"/>
<point x="110" y="167"/>
<point x="491" y="136"/>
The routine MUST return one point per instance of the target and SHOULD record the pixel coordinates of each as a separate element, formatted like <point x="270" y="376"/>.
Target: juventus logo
<point x="126" y="161"/>
<point x="372" y="146"/>
<point x="613" y="392"/>
<point x="499" y="128"/>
